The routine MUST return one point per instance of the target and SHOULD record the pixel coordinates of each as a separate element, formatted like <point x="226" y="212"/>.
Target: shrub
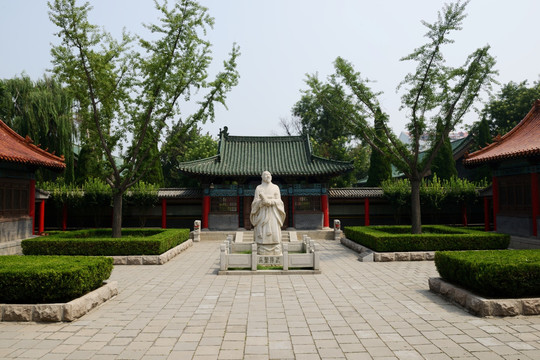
<point x="434" y="237"/>
<point x="503" y="273"/>
<point x="48" y="279"/>
<point x="99" y="242"/>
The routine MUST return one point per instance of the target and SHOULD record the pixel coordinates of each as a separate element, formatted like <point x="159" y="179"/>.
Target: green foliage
<point x="330" y="134"/>
<point x="443" y="164"/>
<point x="499" y="274"/>
<point x="99" y="242"/>
<point x="434" y="91"/>
<point x="509" y="106"/>
<point x="50" y="279"/>
<point x="143" y="194"/>
<point x="90" y="164"/>
<point x="96" y="193"/>
<point x="184" y="144"/>
<point x="43" y="111"/>
<point x="123" y="94"/>
<point x="62" y="193"/>
<point x="434" y="192"/>
<point x="380" y="168"/>
<point x="435" y="237"/>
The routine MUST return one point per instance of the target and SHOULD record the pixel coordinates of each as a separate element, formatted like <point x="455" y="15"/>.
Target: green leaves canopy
<point x="126" y="96"/>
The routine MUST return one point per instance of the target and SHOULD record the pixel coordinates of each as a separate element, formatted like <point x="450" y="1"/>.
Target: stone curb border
<point x="368" y="255"/>
<point x="483" y="307"/>
<point x="268" y="272"/>
<point x="152" y="259"/>
<point x="59" y="312"/>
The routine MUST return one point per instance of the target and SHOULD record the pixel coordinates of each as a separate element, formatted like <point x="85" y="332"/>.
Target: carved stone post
<point x="197" y="230"/>
<point x="337" y="230"/>
<point x="285" y="256"/>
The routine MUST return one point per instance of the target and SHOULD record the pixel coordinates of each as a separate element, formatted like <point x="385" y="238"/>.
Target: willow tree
<point x="434" y="91"/>
<point x="42" y="110"/>
<point x="127" y="89"/>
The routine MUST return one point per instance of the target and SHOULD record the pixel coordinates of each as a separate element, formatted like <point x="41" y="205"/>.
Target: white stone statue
<point x="267" y="216"/>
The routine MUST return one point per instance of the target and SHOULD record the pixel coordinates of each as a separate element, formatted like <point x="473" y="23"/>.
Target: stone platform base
<point x="152" y="259"/>
<point x="268" y="272"/>
<point x="60" y="311"/>
<point x="368" y="255"/>
<point x="483" y="307"/>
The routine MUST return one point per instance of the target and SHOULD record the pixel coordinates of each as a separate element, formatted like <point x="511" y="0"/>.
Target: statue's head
<point x="266" y="177"/>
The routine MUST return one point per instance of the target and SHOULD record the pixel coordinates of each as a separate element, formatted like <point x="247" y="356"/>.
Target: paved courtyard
<point x="353" y="310"/>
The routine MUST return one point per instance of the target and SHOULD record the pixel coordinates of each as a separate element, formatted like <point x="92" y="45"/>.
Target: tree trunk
<point x="416" y="214"/>
<point x="117" y="215"/>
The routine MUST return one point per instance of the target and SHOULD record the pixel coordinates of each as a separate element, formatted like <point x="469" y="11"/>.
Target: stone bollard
<point x="254" y="257"/>
<point x="197" y="231"/>
<point x="337" y="230"/>
<point x="223" y="257"/>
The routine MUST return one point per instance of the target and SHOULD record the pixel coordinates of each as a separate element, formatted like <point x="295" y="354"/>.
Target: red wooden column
<point x="326" y="213"/>
<point x="366" y="211"/>
<point x="464" y="214"/>
<point x="486" y="213"/>
<point x="32" y="204"/>
<point x="64" y="217"/>
<point x="205" y="211"/>
<point x="495" y="201"/>
<point x="534" y="202"/>
<point x="163" y="213"/>
<point x="41" y="228"/>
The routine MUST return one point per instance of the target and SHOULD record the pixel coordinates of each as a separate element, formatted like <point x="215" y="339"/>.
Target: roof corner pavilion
<point x="515" y="162"/>
<point x="229" y="180"/>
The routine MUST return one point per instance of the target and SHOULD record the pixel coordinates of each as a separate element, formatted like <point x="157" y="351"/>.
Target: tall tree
<point x="182" y="145"/>
<point x="443" y="164"/>
<point x="509" y="106"/>
<point x="434" y="91"/>
<point x="380" y="168"/>
<point x="127" y="96"/>
<point x="330" y="135"/>
<point x="43" y="111"/>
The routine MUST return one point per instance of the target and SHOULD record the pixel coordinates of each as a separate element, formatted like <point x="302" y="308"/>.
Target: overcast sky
<point x="282" y="40"/>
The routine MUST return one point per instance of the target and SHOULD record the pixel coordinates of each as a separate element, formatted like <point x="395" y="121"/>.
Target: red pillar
<point x="41" y="217"/>
<point x="495" y="201"/>
<point x="324" y="208"/>
<point x="163" y="213"/>
<point x="534" y="202"/>
<point x="486" y="213"/>
<point x="366" y="212"/>
<point x="32" y="204"/>
<point x="206" y="211"/>
<point x="464" y="214"/>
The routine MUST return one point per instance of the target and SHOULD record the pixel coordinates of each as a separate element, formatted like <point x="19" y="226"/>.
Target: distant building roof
<point x="355" y="192"/>
<point x="247" y="156"/>
<point x="520" y="142"/>
<point x="179" y="193"/>
<point x="16" y="149"/>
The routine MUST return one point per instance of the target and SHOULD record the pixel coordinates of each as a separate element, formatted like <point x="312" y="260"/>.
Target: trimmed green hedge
<point x="98" y="242"/>
<point x="434" y="237"/>
<point x="49" y="279"/>
<point x="492" y="273"/>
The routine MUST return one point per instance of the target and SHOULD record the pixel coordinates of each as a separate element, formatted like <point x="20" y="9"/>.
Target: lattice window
<point x="515" y="195"/>
<point x="307" y="203"/>
<point x="13" y="197"/>
<point x="224" y="204"/>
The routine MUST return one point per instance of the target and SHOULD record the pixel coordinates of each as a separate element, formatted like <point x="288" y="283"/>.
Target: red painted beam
<point x="163" y="213"/>
<point x="326" y="213"/>
<point x="206" y="211"/>
<point x="41" y="217"/>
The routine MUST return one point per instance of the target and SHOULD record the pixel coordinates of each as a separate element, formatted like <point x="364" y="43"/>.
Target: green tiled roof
<point x="251" y="155"/>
